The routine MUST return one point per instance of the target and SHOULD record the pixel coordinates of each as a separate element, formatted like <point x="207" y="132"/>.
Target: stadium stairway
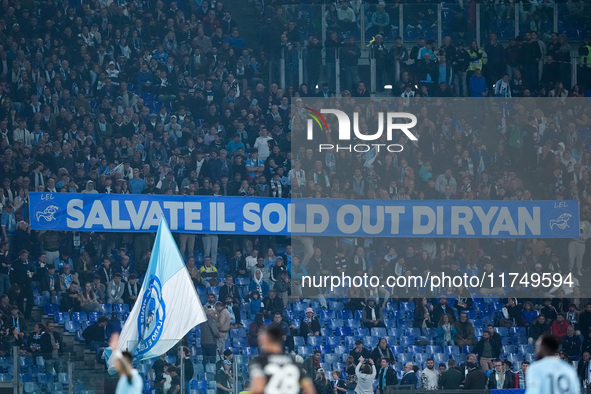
<point x="248" y="19"/>
<point x="86" y="371"/>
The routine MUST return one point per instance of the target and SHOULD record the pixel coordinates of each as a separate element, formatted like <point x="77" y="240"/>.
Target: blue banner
<point x="312" y="217"/>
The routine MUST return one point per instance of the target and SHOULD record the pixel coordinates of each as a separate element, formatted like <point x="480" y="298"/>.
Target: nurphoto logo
<point x="393" y="121"/>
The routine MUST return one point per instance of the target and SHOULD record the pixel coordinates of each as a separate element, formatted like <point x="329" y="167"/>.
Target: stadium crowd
<point x="153" y="97"/>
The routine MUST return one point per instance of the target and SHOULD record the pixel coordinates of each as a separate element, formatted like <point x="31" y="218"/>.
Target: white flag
<point x="167" y="306"/>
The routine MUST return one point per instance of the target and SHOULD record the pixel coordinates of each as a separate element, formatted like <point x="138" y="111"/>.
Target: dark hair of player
<point x="275" y="334"/>
<point x="548" y="346"/>
<point x="128" y="356"/>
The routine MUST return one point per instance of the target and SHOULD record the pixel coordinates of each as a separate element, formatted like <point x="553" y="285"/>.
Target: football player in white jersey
<point x="549" y="374"/>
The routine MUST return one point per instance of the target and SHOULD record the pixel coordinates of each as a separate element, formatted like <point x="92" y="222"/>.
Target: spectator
<point x="253" y="330"/>
<point x="476" y="379"/>
<point x="372" y="314"/>
<point x="519" y="376"/>
<point x="386" y="375"/>
<point x="446" y="331"/>
<point x="452" y="378"/>
<point x="366" y="374"/>
<point x="115" y="289"/>
<point x="95" y="336"/>
<point x="51" y="344"/>
<point x="487" y="350"/>
<point x="88" y="300"/>
<point x="429" y="376"/>
<point x="409" y="377"/>
<point x="310" y="325"/>
<point x="312" y="364"/>
<point x="464" y="331"/>
<point x="560" y="326"/>
<point x="500" y="378"/>
<point x="571" y="344"/>
<point x="223" y="325"/>
<point x="538" y="328"/>
<point x="321" y="383"/>
<point x="209" y="337"/>
<point x="381" y="351"/>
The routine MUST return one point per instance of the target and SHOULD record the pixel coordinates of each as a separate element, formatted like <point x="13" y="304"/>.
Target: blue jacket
<point x="478" y="86"/>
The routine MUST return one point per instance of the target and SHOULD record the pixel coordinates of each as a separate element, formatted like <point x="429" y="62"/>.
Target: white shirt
<point x="552" y="376"/>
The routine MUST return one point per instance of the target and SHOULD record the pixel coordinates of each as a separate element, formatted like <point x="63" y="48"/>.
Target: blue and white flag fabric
<point x="167" y="306"/>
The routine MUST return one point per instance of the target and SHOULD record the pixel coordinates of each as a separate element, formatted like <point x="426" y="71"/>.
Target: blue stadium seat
<point x="238" y="333"/>
<point x="378" y="332"/>
<point x="347" y="314"/>
<point x="343" y="331"/>
<point x="240" y="342"/>
<point x="31" y="387"/>
<point x="331" y="358"/>
<point x="315" y="341"/>
<point x="467" y="349"/>
<point x="413" y="332"/>
<point x="72" y="326"/>
<point x="335" y="323"/>
<point x="440" y="358"/>
<point x="61" y="317"/>
<point x="451" y="350"/>
<point x="525" y="349"/>
<point x="396" y="332"/>
<point x="407" y="341"/>
<point x="362" y="331"/>
<point x="251" y="351"/>
<point x="416" y="349"/>
<point x="333" y="340"/>
<point x="397" y="349"/>
<point x="515" y="357"/>
<point x="370" y="342"/>
<point x="431" y="349"/>
<point x="407" y="306"/>
<point x="508" y="349"/>
<point x="404" y="358"/>
<point x="328" y="314"/>
<point x="108" y="308"/>
<point x="517" y="331"/>
<point x="325" y="349"/>
<point x="305" y="350"/>
<point x="79" y="316"/>
<point x="353" y="323"/>
<point x="502" y="331"/>
<point x="93" y="316"/>
<point x="299" y="341"/>
<point x="421" y="357"/>
<point x="121" y="308"/>
<point x="50" y="309"/>
<point x="350" y="341"/>
<point x="5" y="377"/>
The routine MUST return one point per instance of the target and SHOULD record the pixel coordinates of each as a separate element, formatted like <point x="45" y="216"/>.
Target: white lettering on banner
<point x="394" y="212"/>
<point x="349" y="210"/>
<point x="367" y="226"/>
<point x="74" y="209"/>
<point x="461" y="216"/>
<point x="417" y="220"/>
<point x="173" y="207"/>
<point x="531" y="221"/>
<point x="98" y="216"/>
<point x="252" y="221"/>
<point x="221" y="217"/>
<point x="268" y="224"/>
<point x="485" y="218"/>
<point x="311" y="226"/>
<point x="303" y="218"/>
<point x="153" y="216"/>
<point x="117" y="222"/>
<point x="192" y="215"/>
<point x="504" y="222"/>
<point x="136" y="216"/>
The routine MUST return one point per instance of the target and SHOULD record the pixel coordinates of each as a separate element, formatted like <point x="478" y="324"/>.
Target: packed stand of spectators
<point x="94" y="100"/>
